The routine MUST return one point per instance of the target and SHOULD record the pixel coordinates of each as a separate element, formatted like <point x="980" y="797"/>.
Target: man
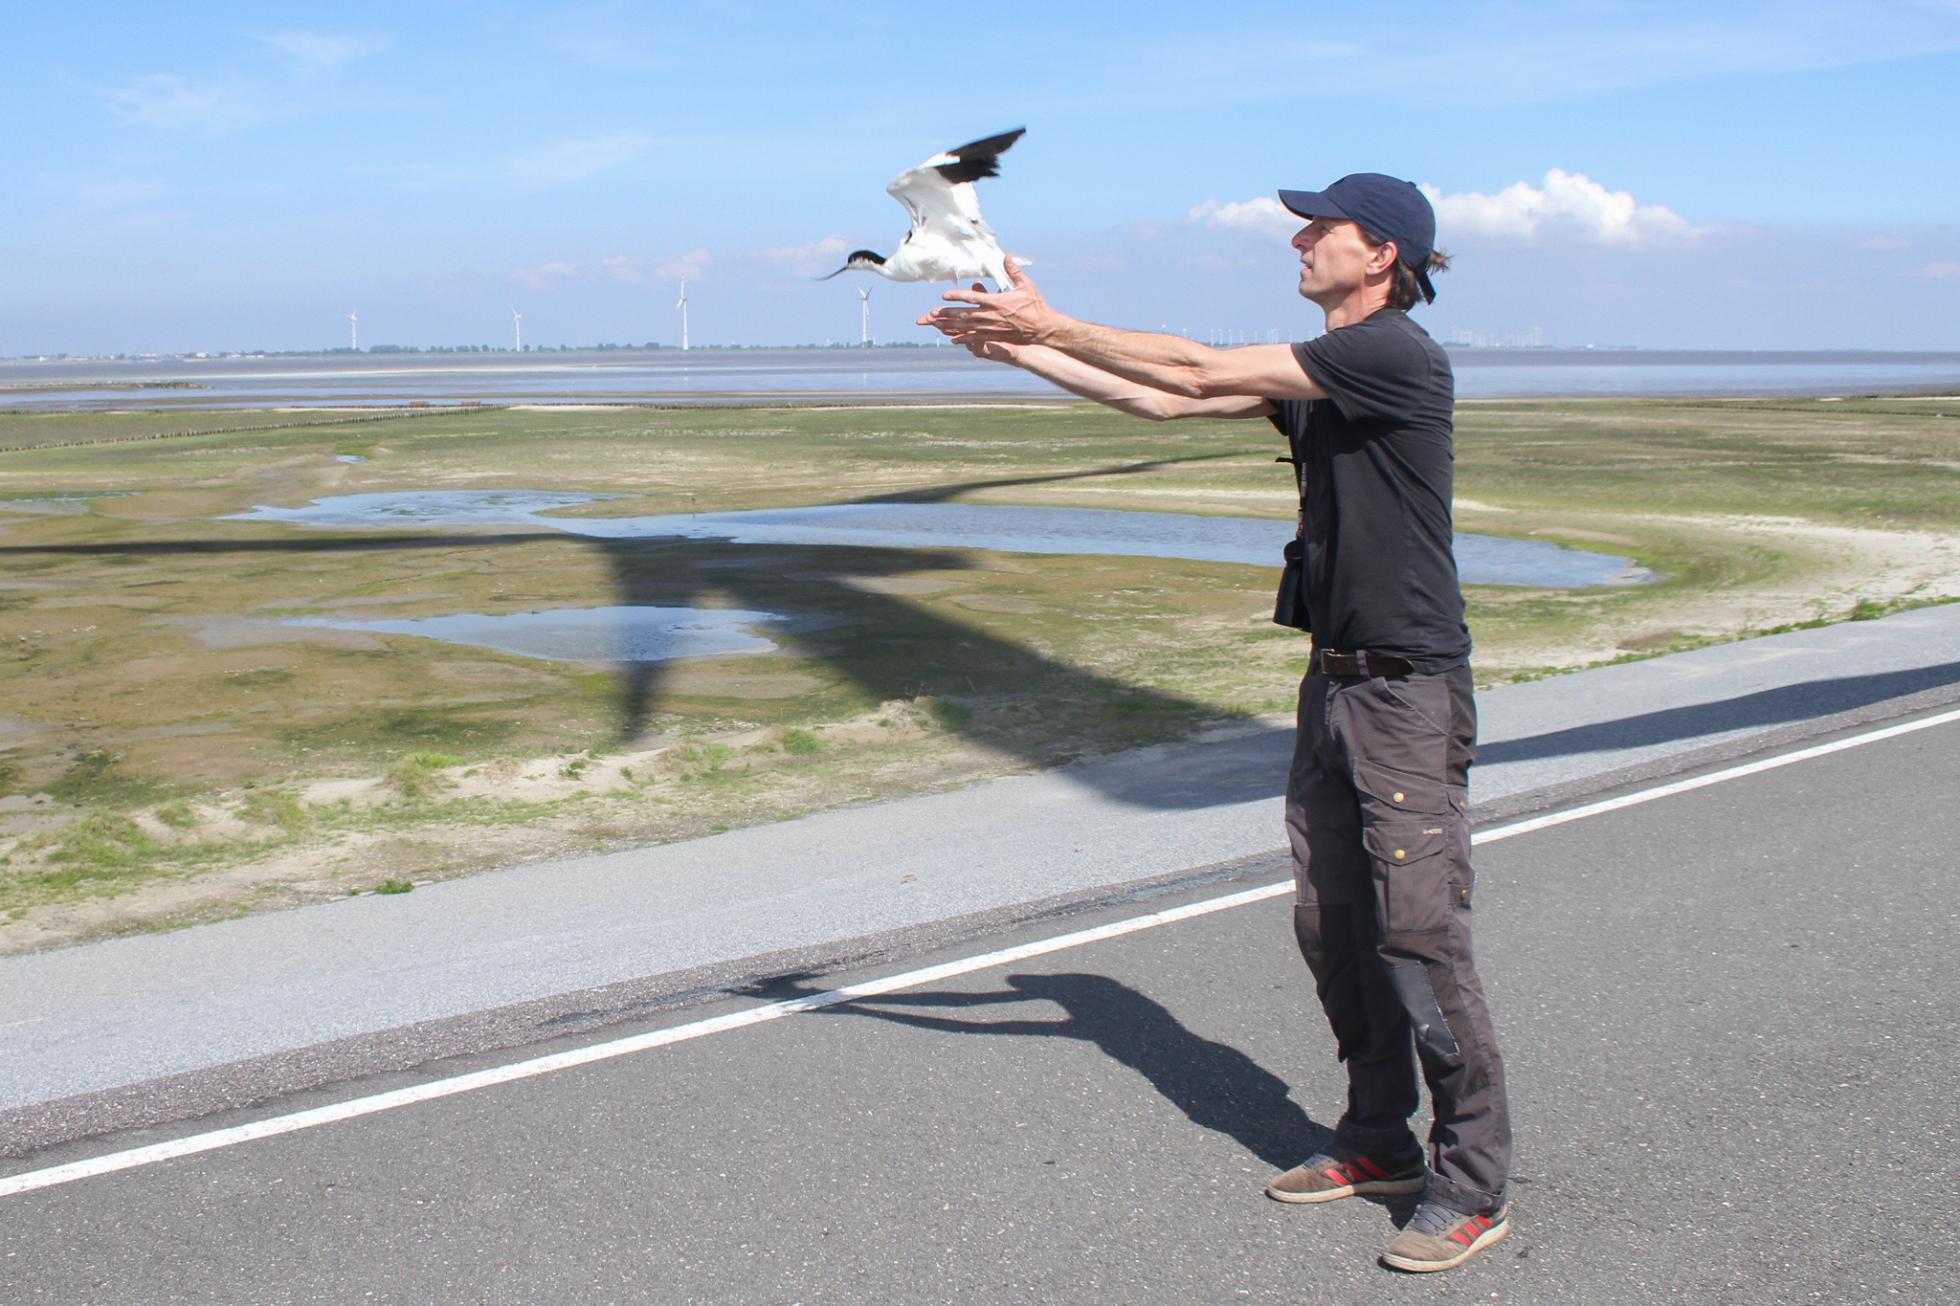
<point x="1387" y="729"/>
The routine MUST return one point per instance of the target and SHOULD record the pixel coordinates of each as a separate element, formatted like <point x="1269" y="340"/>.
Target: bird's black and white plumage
<point x="949" y="240"/>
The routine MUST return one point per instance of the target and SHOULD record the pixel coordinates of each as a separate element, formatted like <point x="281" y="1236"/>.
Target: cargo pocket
<point x="1414" y="887"/>
<point x="1386" y="793"/>
<point x="1381" y="727"/>
<point x="1418" y="997"/>
<point x="1425" y="700"/>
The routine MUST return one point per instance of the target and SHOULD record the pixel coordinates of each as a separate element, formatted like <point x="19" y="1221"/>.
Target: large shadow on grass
<point x="1215" y="1085"/>
<point x="845" y="614"/>
<point x="944" y="493"/>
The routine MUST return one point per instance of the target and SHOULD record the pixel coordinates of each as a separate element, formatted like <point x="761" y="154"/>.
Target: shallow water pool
<point x="611" y="634"/>
<point x="1252" y="541"/>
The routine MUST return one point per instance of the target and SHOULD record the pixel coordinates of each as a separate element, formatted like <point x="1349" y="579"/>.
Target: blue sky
<point x="217" y="177"/>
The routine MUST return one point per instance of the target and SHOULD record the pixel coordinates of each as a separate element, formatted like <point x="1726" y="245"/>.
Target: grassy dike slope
<point x="170" y="752"/>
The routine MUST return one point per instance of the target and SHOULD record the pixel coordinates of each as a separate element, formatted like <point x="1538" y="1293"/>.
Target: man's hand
<point x="1015" y="316"/>
<point x="994" y="351"/>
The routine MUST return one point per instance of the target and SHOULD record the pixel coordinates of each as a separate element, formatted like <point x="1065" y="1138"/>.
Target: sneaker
<point x="1325" y="1176"/>
<point x="1441" y="1239"/>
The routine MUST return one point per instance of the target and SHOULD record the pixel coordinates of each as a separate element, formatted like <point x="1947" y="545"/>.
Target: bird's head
<point x="861" y="259"/>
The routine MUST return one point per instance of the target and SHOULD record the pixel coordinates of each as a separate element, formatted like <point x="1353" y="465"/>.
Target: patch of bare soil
<point x="1835" y="568"/>
<point x="568" y="803"/>
<point x="253" y="632"/>
<point x="995" y="603"/>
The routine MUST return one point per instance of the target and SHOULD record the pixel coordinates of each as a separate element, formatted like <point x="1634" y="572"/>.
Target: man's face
<point x="1334" y="259"/>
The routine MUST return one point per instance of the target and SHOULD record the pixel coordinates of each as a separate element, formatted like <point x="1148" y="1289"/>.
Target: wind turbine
<point x="864" y="333"/>
<point x="682" y="306"/>
<point x="517" y="328"/>
<point x="354" y="331"/>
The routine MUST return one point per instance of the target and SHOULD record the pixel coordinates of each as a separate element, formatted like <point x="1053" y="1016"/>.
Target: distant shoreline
<point x="446" y="360"/>
<point x="803" y="376"/>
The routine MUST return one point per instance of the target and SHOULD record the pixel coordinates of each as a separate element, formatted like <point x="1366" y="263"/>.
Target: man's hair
<point x="1403" y="290"/>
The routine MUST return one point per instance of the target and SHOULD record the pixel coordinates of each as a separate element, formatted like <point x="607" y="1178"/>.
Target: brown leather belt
<point x="1333" y="662"/>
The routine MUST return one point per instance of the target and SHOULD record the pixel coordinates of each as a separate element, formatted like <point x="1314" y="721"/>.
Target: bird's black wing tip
<point x="991" y="144"/>
<point x="981" y="158"/>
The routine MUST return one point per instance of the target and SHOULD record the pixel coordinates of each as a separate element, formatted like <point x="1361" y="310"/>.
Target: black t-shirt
<point x="1381" y="575"/>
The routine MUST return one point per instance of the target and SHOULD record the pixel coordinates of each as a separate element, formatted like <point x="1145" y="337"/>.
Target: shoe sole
<point x="1378" y="1187"/>
<point x="1489" y="1237"/>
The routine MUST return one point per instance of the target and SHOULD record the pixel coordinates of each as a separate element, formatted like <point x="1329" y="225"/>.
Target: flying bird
<point x="949" y="240"/>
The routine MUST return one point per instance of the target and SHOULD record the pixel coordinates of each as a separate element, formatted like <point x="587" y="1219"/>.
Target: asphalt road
<point x="290" y="1000"/>
<point x="1729" y="1016"/>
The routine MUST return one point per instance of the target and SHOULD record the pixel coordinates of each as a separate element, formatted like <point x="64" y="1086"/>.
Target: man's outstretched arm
<point x="1172" y="364"/>
<point x="1111" y="390"/>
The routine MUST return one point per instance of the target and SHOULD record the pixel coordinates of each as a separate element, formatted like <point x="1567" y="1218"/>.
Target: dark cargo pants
<point x="1381" y="857"/>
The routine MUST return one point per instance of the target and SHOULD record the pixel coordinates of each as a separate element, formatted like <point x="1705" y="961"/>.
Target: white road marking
<point x="1757" y="767"/>
<point x="545" y="1065"/>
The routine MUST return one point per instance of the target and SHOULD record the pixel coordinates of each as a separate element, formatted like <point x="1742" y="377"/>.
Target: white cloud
<point x="167" y="102"/>
<point x="815" y="258"/>
<point x="653" y="271"/>
<point x="323" y="52"/>
<point x="1264" y="216"/>
<point x="560" y="163"/>
<point x="1885" y="243"/>
<point x="1567" y="201"/>
<point x="547" y="276"/>
<point x="1942" y="271"/>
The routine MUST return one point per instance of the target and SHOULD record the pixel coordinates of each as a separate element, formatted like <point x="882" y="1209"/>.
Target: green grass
<point x="280" y="808"/>
<point x="800" y="743"/>
<point x="137" y="703"/>
<point x="419" y="775"/>
<point x="427" y="728"/>
<point x="100" y="855"/>
<point x="949" y="715"/>
<point x="1862" y="462"/>
<point x="97" y="779"/>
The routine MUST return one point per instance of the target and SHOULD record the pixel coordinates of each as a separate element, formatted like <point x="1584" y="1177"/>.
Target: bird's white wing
<point x="949" y="240"/>
<point x="941" y="188"/>
<point x="923" y="192"/>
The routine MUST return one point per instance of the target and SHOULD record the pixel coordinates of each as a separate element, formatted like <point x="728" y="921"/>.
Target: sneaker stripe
<point x="1469" y="1231"/>
<point x="1374" y="1171"/>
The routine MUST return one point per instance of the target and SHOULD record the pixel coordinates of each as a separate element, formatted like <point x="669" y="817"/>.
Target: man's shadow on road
<point x="1762" y="709"/>
<point x="1217" y="1086"/>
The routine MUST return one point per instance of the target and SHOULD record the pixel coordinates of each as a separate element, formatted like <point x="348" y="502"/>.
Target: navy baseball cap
<point x="1388" y="206"/>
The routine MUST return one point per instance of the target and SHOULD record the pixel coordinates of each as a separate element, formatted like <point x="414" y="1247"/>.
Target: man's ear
<point x="1383" y="258"/>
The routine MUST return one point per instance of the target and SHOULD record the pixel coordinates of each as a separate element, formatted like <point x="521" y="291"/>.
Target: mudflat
<point x="171" y="749"/>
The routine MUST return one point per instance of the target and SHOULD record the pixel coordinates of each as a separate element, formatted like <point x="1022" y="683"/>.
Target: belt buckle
<point x="1333" y="662"/>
